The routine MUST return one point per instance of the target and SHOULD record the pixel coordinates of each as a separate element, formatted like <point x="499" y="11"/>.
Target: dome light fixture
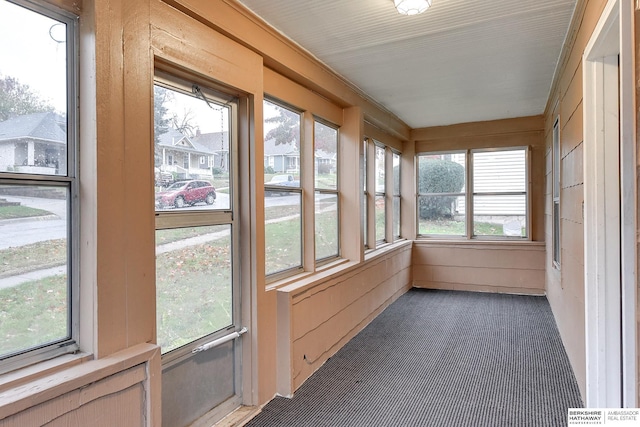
<point x="411" y="7"/>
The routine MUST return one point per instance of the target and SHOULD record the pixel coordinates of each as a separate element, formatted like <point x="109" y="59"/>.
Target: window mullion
<point x="469" y="194"/>
<point x="371" y="190"/>
<point x="388" y="191"/>
<point x="307" y="179"/>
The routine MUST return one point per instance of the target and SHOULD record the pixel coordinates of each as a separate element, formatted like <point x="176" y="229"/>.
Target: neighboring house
<point x="325" y="162"/>
<point x="34" y="143"/>
<point x="184" y="156"/>
<point x="285" y="158"/>
<point x="281" y="157"/>
<point x="218" y="144"/>
<point x="512" y="177"/>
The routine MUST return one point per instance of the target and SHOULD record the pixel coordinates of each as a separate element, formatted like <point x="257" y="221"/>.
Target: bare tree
<point x="17" y="99"/>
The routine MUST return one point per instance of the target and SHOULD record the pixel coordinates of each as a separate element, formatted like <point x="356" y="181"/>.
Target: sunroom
<point x="358" y="156"/>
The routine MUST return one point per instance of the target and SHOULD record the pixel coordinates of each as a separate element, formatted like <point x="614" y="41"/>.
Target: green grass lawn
<point x="448" y="227"/>
<point x="283" y="242"/>
<point x="12" y="212"/>
<point x="33" y="313"/>
<point x="326" y="181"/>
<point x="327" y="244"/>
<point x="36" y="256"/>
<point x="193" y="289"/>
<point x="177" y="234"/>
<point x="283" y="239"/>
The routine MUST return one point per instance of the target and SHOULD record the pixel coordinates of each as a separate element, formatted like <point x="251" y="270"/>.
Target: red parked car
<point x="185" y="193"/>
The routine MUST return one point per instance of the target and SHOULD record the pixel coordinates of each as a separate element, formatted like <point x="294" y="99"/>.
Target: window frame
<point x="277" y="275"/>
<point x="365" y="193"/>
<point x="383" y="194"/>
<point x="70" y="344"/>
<point x="469" y="193"/>
<point x="464" y="193"/>
<point x="335" y="192"/>
<point x="397" y="195"/>
<point x="369" y="178"/>
<point x="206" y="217"/>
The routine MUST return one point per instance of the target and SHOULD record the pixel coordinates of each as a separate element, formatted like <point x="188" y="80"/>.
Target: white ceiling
<point x="460" y="61"/>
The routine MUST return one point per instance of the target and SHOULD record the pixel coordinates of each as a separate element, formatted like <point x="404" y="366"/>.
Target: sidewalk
<point x="19" y="279"/>
<point x="9" y="282"/>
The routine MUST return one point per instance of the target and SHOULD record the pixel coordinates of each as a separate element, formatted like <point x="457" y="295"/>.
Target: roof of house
<point x="175" y="139"/>
<point x="49" y="127"/>
<point x="321" y="154"/>
<point x="273" y="149"/>
<point x="213" y="141"/>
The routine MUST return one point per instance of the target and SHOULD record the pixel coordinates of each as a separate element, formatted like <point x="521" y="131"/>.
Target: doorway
<point x="609" y="211"/>
<point x="198" y="290"/>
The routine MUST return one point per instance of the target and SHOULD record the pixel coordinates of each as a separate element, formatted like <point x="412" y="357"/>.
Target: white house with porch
<point x="34" y="143"/>
<point x="183" y="156"/>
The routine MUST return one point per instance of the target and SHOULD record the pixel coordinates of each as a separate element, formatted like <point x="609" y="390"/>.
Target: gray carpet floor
<point x="441" y="358"/>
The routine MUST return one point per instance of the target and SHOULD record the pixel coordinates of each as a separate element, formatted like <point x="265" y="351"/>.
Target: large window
<point x="556" y="193"/>
<point x="282" y="190"/>
<point x="381" y="177"/>
<point x="196" y="230"/>
<point x="327" y="236"/>
<point x="38" y="184"/>
<point x="301" y="185"/>
<point x="473" y="193"/>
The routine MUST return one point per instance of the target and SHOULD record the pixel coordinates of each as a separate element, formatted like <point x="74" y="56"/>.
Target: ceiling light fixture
<point x="411" y="7"/>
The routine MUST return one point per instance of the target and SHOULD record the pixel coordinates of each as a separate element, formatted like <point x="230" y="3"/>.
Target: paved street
<point x="24" y="231"/>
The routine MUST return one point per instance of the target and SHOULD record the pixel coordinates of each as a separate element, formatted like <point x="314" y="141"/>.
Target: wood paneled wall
<point x="315" y="320"/>
<point x="115" y="391"/>
<point x="487" y="266"/>
<point x="565" y="287"/>
<point x="478" y="266"/>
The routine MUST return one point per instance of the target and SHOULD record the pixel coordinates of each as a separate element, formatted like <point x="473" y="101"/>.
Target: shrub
<point x="269" y="169"/>
<point x="324" y="168"/>
<point x="438" y="176"/>
<point x="216" y="170"/>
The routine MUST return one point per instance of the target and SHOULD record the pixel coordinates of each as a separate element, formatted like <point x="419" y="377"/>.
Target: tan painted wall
<point x="316" y="319"/>
<point x="516" y="268"/>
<point x="565" y="287"/>
<point x="114" y="391"/>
